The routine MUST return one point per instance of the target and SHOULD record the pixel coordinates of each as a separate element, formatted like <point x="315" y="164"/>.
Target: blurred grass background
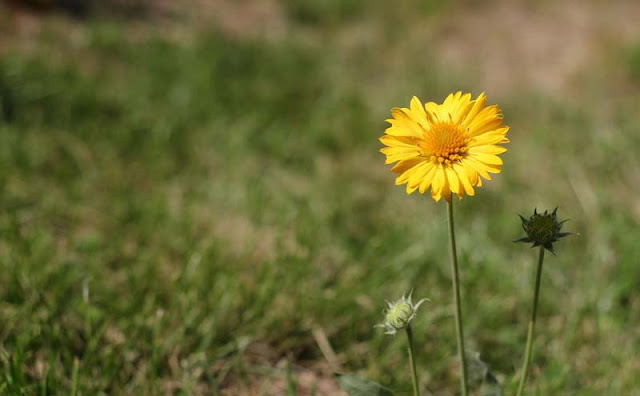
<point x="187" y="191"/>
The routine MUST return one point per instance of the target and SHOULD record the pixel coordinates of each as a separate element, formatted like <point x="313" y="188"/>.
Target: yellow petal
<point x="464" y="179"/>
<point x="438" y="183"/>
<point x="416" y="107"/>
<point x="482" y="168"/>
<point x="399" y="129"/>
<point x="464" y="105"/>
<point x="404" y="176"/>
<point x="398" y="154"/>
<point x="488" y="159"/>
<point x="433" y="110"/>
<point x="405" y="165"/>
<point x="472" y="174"/>
<point x="389" y="140"/>
<point x="478" y="166"/>
<point x="446" y="192"/>
<point x="449" y="99"/>
<point x="418" y="173"/>
<point x="485" y="126"/>
<point x="478" y="105"/>
<point x="487" y="149"/>
<point x="414" y="173"/>
<point x="452" y="179"/>
<point x="426" y="180"/>
<point x="403" y="124"/>
<point x="458" y="107"/>
<point x="493" y="137"/>
<point x="396" y="150"/>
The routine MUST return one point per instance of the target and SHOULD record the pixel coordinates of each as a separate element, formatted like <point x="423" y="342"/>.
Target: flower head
<point x="445" y="146"/>
<point x="399" y="313"/>
<point x="543" y="229"/>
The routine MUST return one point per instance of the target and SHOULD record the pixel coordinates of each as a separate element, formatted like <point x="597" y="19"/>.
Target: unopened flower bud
<point x="399" y="313"/>
<point x="543" y="229"/>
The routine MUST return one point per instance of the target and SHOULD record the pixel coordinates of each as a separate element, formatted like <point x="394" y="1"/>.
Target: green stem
<point x="412" y="361"/>
<point x="532" y="323"/>
<point x="74" y="377"/>
<point x="456" y="298"/>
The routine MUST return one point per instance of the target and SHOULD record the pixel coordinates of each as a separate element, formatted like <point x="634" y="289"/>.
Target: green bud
<point x="543" y="229"/>
<point x="399" y="313"/>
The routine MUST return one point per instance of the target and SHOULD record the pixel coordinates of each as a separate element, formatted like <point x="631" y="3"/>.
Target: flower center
<point x="444" y="143"/>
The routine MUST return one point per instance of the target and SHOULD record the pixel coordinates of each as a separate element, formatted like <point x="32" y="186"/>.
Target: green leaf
<point x="356" y="386"/>
<point x="476" y="369"/>
<point x="491" y="386"/>
<point x="480" y="373"/>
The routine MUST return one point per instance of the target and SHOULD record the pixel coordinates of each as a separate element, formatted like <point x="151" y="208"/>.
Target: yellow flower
<point x="446" y="147"/>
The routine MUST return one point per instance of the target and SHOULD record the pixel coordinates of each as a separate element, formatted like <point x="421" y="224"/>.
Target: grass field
<point x="183" y="201"/>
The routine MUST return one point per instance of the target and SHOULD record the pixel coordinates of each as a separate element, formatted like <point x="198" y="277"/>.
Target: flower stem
<point x="412" y="361"/>
<point x="532" y="323"/>
<point x="456" y="298"/>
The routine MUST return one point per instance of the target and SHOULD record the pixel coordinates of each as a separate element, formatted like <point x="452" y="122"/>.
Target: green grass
<point x="176" y="217"/>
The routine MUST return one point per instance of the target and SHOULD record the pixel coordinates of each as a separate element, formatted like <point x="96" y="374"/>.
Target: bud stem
<point x="412" y="361"/>
<point x="456" y="298"/>
<point x="532" y="323"/>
